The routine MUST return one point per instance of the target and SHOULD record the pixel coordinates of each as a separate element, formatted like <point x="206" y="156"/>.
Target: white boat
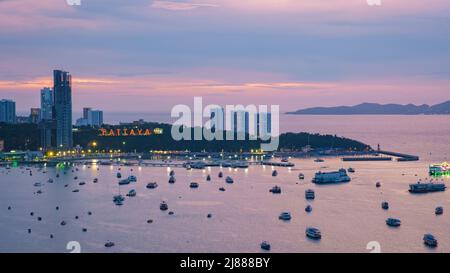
<point x="313" y="233"/>
<point x="310" y="194"/>
<point x="229" y="180"/>
<point x="285" y="216"/>
<point x="331" y="177"/>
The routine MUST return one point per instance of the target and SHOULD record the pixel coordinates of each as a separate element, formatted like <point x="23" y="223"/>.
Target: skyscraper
<point x="62" y="88"/>
<point x="47" y="103"/>
<point x="7" y="111"/>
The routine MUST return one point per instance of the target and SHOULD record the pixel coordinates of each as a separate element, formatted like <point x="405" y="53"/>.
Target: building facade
<point x="62" y="88"/>
<point x="47" y="103"/>
<point x="90" y="118"/>
<point x="35" y="115"/>
<point x="7" y="111"/>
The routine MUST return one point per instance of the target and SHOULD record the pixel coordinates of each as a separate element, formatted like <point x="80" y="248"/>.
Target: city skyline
<point x="150" y="55"/>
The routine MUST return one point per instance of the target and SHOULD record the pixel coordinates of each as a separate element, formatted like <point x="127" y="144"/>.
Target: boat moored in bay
<point x="340" y="176"/>
<point x="426" y="187"/>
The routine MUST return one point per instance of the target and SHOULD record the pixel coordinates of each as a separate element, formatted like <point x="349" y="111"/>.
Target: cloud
<point x="180" y="6"/>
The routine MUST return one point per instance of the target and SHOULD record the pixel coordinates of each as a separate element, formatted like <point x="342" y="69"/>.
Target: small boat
<point x="220" y="174"/>
<point x="319" y="160"/>
<point x="109" y="244"/>
<point x="119" y="175"/>
<point x="265" y="246"/>
<point x="392" y="222"/>
<point x="118" y="198"/>
<point x="76" y="190"/>
<point x="188" y="167"/>
<point x="385" y="205"/>
<point x="193" y="185"/>
<point x="172" y="179"/>
<point x="75" y="178"/>
<point x="50" y="180"/>
<point x="221" y="189"/>
<point x="131" y="193"/>
<point x="285" y="160"/>
<point x="152" y="185"/>
<point x="378" y="184"/>
<point x="229" y="180"/>
<point x="439" y="211"/>
<point x="124" y="182"/>
<point x="172" y="173"/>
<point x="208" y="178"/>
<point x="351" y="170"/>
<point x="274" y="173"/>
<point x="310" y="194"/>
<point x="163" y="206"/>
<point x="95" y="180"/>
<point x="132" y="178"/>
<point x="285" y="216"/>
<point x="37" y="184"/>
<point x="301" y="176"/>
<point x="313" y="233"/>
<point x="275" y="190"/>
<point x="63" y="223"/>
<point x="308" y="208"/>
<point x="118" y="202"/>
<point x="82" y="183"/>
<point x="429" y="240"/>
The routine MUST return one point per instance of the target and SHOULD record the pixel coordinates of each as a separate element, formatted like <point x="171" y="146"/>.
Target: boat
<point x="118" y="202"/>
<point x="220" y="174"/>
<point x="313" y="233"/>
<point x="163" y="206"/>
<point x="172" y="179"/>
<point x="285" y="216"/>
<point x="208" y="177"/>
<point x="439" y="211"/>
<point x="221" y="189"/>
<point x="429" y="240"/>
<point x="319" y="160"/>
<point x="118" y="197"/>
<point x="131" y="193"/>
<point x="275" y="190"/>
<point x="132" y="178"/>
<point x="393" y="222"/>
<point x="119" y="175"/>
<point x="152" y="185"/>
<point x="229" y="180"/>
<point x="109" y="244"/>
<point x="426" y="187"/>
<point x="95" y="180"/>
<point x="378" y="184"/>
<point x="124" y="182"/>
<point x="82" y="183"/>
<point x="285" y="159"/>
<point x="308" y="208"/>
<point x="301" y="176"/>
<point x="198" y="165"/>
<point x="172" y="173"/>
<point x="265" y="246"/>
<point x="385" y="205"/>
<point x="37" y="184"/>
<point x="193" y="185"/>
<point x="50" y="180"/>
<point x="310" y="194"/>
<point x="274" y="173"/>
<point x="188" y="167"/>
<point x="331" y="177"/>
<point x="351" y="170"/>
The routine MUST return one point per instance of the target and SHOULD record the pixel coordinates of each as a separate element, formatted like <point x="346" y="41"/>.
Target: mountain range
<point x="378" y="109"/>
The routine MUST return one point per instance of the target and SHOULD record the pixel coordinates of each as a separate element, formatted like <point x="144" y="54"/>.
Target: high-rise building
<point x="2" y="145"/>
<point x="62" y="88"/>
<point x="7" y="111"/>
<point x="90" y="118"/>
<point x="35" y="115"/>
<point x="47" y="103"/>
<point x="87" y="113"/>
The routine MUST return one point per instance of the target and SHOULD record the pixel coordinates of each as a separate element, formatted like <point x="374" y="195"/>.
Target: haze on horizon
<point x="146" y="56"/>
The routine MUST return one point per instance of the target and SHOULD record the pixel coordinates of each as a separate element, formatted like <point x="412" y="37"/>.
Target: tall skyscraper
<point x="7" y="111"/>
<point x="62" y="88"/>
<point x="47" y="103"/>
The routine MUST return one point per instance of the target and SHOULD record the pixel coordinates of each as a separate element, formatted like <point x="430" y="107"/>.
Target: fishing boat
<point x="310" y="194"/>
<point x="393" y="222"/>
<point x="275" y="190"/>
<point x="331" y="177"/>
<point x="313" y="233"/>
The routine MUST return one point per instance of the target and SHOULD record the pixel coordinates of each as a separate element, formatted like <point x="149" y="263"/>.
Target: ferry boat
<point x="172" y="179"/>
<point x="193" y="185"/>
<point x="313" y="233"/>
<point x="429" y="240"/>
<point x="439" y="169"/>
<point x="163" y="206"/>
<point x="310" y="195"/>
<point x="152" y="185"/>
<point x="275" y="190"/>
<point x="426" y="187"/>
<point x="439" y="211"/>
<point x="285" y="216"/>
<point x="392" y="222"/>
<point x="229" y="180"/>
<point x="265" y="246"/>
<point x="331" y="177"/>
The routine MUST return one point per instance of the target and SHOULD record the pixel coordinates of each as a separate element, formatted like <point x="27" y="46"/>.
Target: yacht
<point x="172" y="179"/>
<point x="308" y="208"/>
<point x="274" y="173"/>
<point x="313" y="233"/>
<point x="301" y="176"/>
<point x="426" y="187"/>
<point x="439" y="211"/>
<point x="310" y="194"/>
<point x="229" y="180"/>
<point x="392" y="222"/>
<point x="331" y="177"/>
<point x="193" y="185"/>
<point x="124" y="182"/>
<point x="265" y="246"/>
<point x="163" y="206"/>
<point x="285" y="216"/>
<point x="220" y="174"/>
<point x="132" y="178"/>
<point x="429" y="240"/>
<point x="385" y="205"/>
<point x="275" y="190"/>
<point x="152" y="185"/>
<point x="131" y="193"/>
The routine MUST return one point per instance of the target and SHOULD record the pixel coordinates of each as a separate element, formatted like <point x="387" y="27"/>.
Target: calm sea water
<point x="349" y="215"/>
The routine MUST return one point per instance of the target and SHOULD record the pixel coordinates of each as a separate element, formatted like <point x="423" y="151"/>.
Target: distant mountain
<point x="378" y="109"/>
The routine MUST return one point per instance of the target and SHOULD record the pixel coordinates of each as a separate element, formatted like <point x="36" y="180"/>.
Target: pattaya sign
<point x="123" y="132"/>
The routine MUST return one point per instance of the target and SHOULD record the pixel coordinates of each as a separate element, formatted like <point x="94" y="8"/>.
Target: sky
<point x="149" y="55"/>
